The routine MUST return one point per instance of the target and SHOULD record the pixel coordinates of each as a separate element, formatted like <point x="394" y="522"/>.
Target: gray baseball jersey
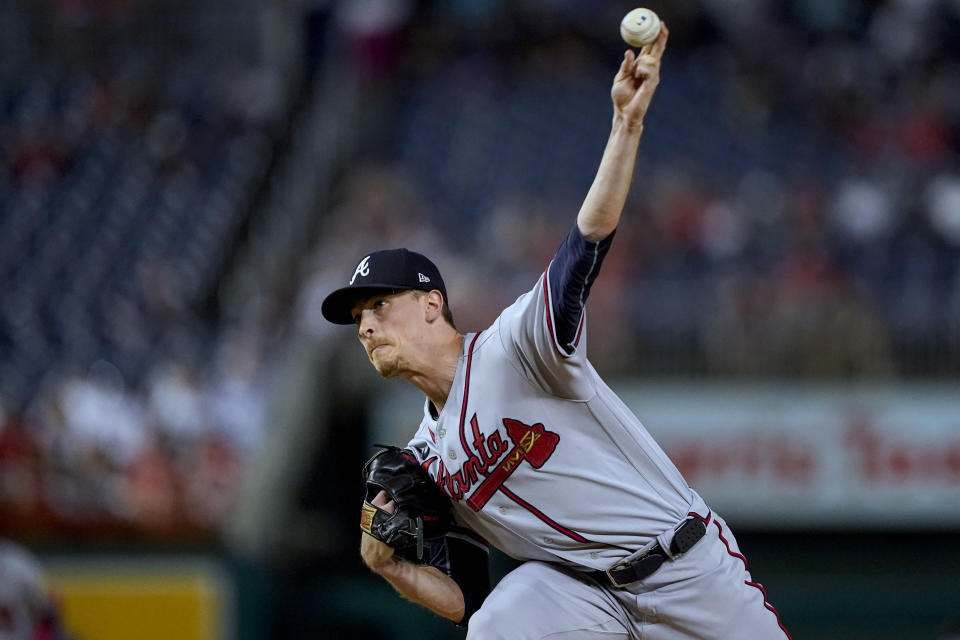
<point x="541" y="458"/>
<point x="509" y="448"/>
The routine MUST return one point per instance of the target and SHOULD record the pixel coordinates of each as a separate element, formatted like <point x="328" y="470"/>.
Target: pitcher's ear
<point x="433" y="304"/>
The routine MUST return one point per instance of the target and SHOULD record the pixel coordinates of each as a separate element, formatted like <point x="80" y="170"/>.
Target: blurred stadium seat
<point x="130" y="170"/>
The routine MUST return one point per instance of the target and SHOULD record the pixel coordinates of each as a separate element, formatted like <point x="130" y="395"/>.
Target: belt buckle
<point x="613" y="580"/>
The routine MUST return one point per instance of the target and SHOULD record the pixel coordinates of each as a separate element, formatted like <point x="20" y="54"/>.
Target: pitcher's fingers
<point x="661" y="42"/>
<point x="384" y="502"/>
<point x="651" y="49"/>
<point x="628" y="60"/>
<point x="645" y="65"/>
<point x="646" y="59"/>
<point x="644" y="71"/>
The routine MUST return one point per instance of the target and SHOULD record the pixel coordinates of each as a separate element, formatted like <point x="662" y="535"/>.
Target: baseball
<point x="640" y="27"/>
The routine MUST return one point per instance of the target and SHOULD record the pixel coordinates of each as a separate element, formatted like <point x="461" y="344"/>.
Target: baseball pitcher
<point x="535" y="455"/>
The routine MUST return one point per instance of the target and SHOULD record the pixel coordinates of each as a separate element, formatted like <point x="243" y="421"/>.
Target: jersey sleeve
<point x="545" y="329"/>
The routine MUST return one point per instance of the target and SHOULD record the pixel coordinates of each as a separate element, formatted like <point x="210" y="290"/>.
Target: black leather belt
<point x="629" y="571"/>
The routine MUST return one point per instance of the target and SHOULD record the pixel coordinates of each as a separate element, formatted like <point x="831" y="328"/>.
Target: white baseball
<point x="640" y="27"/>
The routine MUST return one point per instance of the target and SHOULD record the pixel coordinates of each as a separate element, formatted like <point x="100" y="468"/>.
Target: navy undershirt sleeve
<point x="571" y="274"/>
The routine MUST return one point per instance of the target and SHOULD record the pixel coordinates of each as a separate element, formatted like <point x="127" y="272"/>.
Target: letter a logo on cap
<point x="363" y="269"/>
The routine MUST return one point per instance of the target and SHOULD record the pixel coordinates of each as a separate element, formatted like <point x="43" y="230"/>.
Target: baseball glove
<point x="422" y="511"/>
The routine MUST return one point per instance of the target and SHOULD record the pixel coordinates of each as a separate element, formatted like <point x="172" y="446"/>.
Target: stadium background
<point x="181" y="182"/>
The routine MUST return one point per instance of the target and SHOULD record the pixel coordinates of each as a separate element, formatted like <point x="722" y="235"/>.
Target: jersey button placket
<point x="453" y="454"/>
<point x="442" y="433"/>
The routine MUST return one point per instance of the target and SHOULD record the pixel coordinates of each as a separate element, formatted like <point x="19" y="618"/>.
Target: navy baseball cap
<point x="387" y="270"/>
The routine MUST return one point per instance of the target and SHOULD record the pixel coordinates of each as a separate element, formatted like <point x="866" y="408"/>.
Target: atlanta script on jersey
<point x="521" y="413"/>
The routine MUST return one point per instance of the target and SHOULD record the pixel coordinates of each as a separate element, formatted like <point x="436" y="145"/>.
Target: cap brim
<point x="337" y="306"/>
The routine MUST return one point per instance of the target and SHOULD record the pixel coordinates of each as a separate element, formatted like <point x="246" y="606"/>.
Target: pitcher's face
<point x="388" y="326"/>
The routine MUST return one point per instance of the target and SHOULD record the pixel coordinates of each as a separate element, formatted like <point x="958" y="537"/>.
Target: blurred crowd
<point x="97" y="458"/>
<point x="133" y="147"/>
<point x="796" y="210"/>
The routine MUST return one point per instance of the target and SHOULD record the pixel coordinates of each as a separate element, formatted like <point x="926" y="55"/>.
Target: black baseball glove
<point x="422" y="511"/>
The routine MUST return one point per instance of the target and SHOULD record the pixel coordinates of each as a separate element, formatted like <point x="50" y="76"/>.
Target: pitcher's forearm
<point x="603" y="205"/>
<point x="426" y="586"/>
